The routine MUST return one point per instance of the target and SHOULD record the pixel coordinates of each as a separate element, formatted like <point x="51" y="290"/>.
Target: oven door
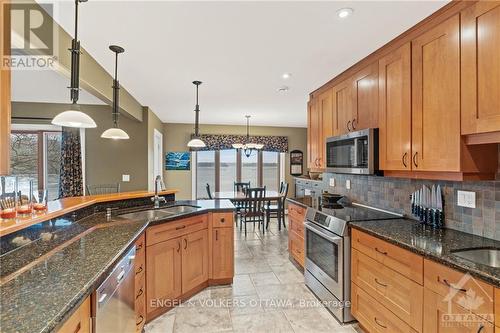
<point x="324" y="258"/>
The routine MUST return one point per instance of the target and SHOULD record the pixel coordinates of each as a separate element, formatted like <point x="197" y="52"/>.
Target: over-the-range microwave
<point x="354" y="152"/>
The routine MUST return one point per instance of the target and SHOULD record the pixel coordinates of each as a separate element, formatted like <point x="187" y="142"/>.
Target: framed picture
<point x="178" y="160"/>
<point x="296" y="162"/>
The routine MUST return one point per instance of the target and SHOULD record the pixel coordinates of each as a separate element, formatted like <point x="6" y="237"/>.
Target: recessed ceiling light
<point x="344" y="12"/>
<point x="286" y="76"/>
<point x="283" y="89"/>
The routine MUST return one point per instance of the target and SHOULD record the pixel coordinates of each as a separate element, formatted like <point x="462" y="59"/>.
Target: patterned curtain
<point x="225" y="141"/>
<point x="71" y="178"/>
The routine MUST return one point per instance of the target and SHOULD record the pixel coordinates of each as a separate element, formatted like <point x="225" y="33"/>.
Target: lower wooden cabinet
<point x="194" y="260"/>
<point x="140" y="283"/>
<point x="443" y="316"/>
<point x="296" y="217"/>
<point x="79" y="322"/>
<point x="222" y="253"/>
<point x="497" y="308"/>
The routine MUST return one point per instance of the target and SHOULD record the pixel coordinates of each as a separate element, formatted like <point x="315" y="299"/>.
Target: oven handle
<point x="317" y="230"/>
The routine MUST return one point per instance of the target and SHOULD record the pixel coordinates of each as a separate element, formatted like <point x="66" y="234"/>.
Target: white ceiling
<point x="238" y="49"/>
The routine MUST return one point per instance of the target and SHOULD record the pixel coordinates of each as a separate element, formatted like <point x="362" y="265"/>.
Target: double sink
<point x="158" y="214"/>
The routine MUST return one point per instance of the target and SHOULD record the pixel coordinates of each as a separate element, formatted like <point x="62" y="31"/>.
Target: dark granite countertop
<point x="434" y="244"/>
<point x="38" y="296"/>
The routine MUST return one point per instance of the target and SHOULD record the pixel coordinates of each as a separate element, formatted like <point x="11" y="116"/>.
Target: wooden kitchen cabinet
<point x="80" y="321"/>
<point x="395" y="110"/>
<point x="194" y="260"/>
<point x="5" y="93"/>
<point x="296" y="218"/>
<point x="497" y="307"/>
<point x="343" y="107"/>
<point x="436" y="98"/>
<point x="222" y="253"/>
<point x="140" y="282"/>
<point x="480" y="66"/>
<point x="365" y="93"/>
<point x="163" y="273"/>
<point x="441" y="316"/>
<point x="313" y="130"/>
<point x="325" y="124"/>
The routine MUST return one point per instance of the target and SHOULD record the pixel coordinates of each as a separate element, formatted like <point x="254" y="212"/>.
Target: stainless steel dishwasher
<point x="115" y="298"/>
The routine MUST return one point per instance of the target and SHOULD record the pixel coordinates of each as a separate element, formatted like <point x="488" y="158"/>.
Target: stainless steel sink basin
<point x="485" y="256"/>
<point x="158" y="214"/>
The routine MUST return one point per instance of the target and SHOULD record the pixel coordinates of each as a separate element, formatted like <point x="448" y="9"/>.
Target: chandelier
<point x="248" y="147"/>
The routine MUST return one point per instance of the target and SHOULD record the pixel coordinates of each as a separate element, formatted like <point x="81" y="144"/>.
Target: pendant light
<point x="248" y="147"/>
<point x="196" y="141"/>
<point x="74" y="117"/>
<point x="115" y="132"/>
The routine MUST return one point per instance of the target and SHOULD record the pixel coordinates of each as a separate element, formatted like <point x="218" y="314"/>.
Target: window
<point x="222" y="168"/>
<point x="270" y="170"/>
<point x="205" y="172"/>
<point x="228" y="172"/>
<point x="36" y="155"/>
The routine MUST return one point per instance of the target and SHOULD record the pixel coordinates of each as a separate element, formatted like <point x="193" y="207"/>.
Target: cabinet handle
<point x="222" y="220"/>
<point x="379" y="324"/>
<point x="139" y="270"/>
<point x="139" y="294"/>
<point x="415" y="159"/>
<point x="181" y="227"/>
<point x="79" y="326"/>
<point x="380" y="283"/>
<point x="480" y="329"/>
<point x="216" y="235"/>
<point x="404" y="159"/>
<point x="138" y="247"/>
<point x="353" y="124"/>
<point x="178" y="246"/>
<point x="141" y="319"/>
<point x="185" y="243"/>
<point x="349" y="126"/>
<point x="453" y="287"/>
<point x="381" y="252"/>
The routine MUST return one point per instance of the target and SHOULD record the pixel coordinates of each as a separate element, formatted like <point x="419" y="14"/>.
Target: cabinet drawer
<point x="402" y="261"/>
<point x="397" y="293"/>
<point x="296" y="225"/>
<point x="297" y="248"/>
<point x="140" y="314"/>
<point x="140" y="285"/>
<point x="175" y="229"/>
<point x="461" y="288"/>
<point x="296" y="211"/>
<point x="373" y="316"/>
<point x="222" y="220"/>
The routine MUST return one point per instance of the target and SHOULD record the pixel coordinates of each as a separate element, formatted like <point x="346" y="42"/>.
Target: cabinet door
<point x="5" y="106"/>
<point x="481" y="67"/>
<point x="222" y="253"/>
<point x="194" y="260"/>
<point x="395" y="110"/>
<point x="313" y="130"/>
<point x="79" y="320"/>
<point x="343" y="107"/>
<point x="163" y="272"/>
<point x="365" y="103"/>
<point x="325" y="125"/>
<point x="436" y="98"/>
<point x="441" y="317"/>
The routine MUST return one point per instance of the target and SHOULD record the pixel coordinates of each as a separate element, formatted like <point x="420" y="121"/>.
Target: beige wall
<point x="176" y="136"/>
<point x="154" y="123"/>
<point x="107" y="160"/>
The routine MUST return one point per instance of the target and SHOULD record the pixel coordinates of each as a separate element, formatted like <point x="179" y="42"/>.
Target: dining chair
<point x="209" y="193"/>
<point x="240" y="187"/>
<point x="103" y="189"/>
<point x="278" y="209"/>
<point x="253" y="208"/>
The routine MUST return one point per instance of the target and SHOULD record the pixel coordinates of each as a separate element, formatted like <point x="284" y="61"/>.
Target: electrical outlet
<point x="332" y="182"/>
<point x="125" y="178"/>
<point x="348" y="184"/>
<point x="466" y="199"/>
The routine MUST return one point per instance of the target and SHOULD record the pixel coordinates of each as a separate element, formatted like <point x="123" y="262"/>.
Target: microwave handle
<point x="355" y="164"/>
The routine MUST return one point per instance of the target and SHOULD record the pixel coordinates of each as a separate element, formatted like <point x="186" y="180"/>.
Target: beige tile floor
<point x="267" y="295"/>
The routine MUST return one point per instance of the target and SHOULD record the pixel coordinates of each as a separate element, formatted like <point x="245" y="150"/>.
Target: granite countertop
<point x="39" y="296"/>
<point x="434" y="244"/>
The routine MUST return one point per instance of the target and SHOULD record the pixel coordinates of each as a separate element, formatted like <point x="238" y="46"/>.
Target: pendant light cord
<point x="75" y="61"/>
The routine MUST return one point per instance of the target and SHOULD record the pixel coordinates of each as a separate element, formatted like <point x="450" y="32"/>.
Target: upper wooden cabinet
<point x="5" y="106"/>
<point x="313" y="135"/>
<point x="343" y="107"/>
<point x="395" y="110"/>
<point x="436" y="98"/>
<point x="325" y="125"/>
<point x="480" y="51"/>
<point x="365" y="94"/>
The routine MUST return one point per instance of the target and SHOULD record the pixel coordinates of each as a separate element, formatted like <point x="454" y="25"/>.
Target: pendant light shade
<point x="74" y="117"/>
<point x="115" y="132"/>
<point x="196" y="142"/>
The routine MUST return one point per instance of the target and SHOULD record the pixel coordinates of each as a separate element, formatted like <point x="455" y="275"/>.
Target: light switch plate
<point x="466" y="199"/>
<point x="348" y="184"/>
<point x="332" y="182"/>
<point x="125" y="178"/>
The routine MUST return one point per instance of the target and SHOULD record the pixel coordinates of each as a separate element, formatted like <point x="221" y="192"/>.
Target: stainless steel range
<point x="328" y="253"/>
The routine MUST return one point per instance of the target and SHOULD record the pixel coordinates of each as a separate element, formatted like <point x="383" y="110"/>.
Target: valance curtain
<point x="225" y="141"/>
<point x="71" y="178"/>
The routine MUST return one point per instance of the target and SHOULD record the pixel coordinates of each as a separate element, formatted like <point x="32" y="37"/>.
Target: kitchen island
<point x="49" y="269"/>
